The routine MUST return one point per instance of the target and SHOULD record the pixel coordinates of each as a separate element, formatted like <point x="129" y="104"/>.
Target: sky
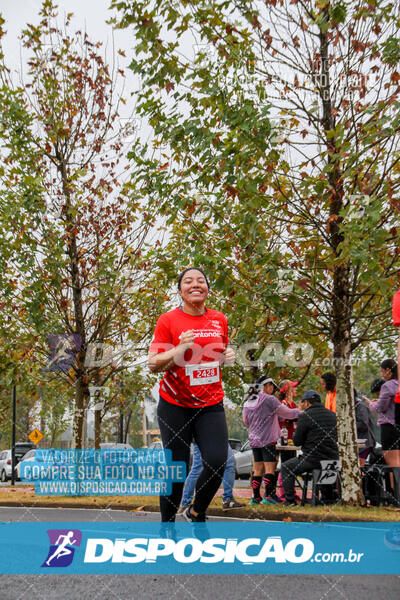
<point x="90" y="15"/>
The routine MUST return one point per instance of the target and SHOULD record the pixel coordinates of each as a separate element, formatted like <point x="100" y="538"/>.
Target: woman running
<point x="190" y="344"/>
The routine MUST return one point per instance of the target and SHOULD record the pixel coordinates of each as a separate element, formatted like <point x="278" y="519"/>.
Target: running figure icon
<point x="62" y="549"/>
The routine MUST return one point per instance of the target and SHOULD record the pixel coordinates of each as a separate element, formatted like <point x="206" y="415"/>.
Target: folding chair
<point x="327" y="475"/>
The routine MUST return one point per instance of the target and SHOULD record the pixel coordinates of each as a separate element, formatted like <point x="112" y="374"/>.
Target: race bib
<point x="203" y="374"/>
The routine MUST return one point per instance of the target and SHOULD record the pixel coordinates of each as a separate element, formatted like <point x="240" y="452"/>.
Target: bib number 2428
<point x="203" y="374"/>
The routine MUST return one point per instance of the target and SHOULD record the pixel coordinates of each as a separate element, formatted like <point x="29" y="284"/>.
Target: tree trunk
<point x="97" y="428"/>
<point x="81" y="385"/>
<point x="79" y="414"/>
<point x="346" y="422"/>
<point x="341" y="301"/>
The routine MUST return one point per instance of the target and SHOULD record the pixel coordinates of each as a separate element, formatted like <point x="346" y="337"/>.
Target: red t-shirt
<point x="196" y="380"/>
<point x="290" y="425"/>
<point x="396" y="309"/>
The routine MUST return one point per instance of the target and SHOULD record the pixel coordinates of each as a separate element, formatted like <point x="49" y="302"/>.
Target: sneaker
<point x="232" y="503"/>
<point x="275" y="497"/>
<point x="290" y="503"/>
<point x="268" y="500"/>
<point x="189" y="516"/>
<point x="183" y="507"/>
<point x="255" y="501"/>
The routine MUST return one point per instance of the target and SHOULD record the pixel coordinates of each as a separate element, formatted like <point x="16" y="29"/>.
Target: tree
<point x="75" y="236"/>
<point x="314" y="192"/>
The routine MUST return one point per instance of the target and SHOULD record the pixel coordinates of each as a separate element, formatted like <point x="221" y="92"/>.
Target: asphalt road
<point x="182" y="587"/>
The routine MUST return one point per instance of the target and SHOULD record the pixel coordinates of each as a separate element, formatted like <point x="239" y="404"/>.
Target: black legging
<point x="207" y="426"/>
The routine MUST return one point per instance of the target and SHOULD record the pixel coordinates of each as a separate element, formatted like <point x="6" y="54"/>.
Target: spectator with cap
<point x="328" y="383"/>
<point x="261" y="413"/>
<point x="287" y="393"/>
<point x="317" y="435"/>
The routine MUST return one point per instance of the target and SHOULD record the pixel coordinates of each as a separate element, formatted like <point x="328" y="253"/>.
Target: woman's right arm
<point x="164" y="361"/>
<point x="287" y="413"/>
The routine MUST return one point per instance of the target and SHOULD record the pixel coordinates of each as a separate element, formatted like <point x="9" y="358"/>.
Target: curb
<point x="263" y="515"/>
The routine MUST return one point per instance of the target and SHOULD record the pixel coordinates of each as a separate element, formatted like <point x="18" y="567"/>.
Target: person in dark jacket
<point x="317" y="435"/>
<point x="365" y="427"/>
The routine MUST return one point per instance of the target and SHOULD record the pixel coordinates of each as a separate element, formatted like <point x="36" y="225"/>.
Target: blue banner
<point x="109" y="472"/>
<point x="213" y="548"/>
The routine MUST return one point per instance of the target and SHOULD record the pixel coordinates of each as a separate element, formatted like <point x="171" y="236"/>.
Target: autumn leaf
<point x="303" y="283"/>
<point x="138" y="509"/>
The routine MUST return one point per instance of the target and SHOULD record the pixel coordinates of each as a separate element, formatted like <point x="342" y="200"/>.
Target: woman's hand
<point x="187" y="338"/>
<point x="229" y="356"/>
<point x="367" y="400"/>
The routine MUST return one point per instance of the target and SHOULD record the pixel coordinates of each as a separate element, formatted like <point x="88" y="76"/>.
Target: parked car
<point x="243" y="461"/>
<point x="5" y="465"/>
<point x="115" y="446"/>
<point x="29" y="456"/>
<point x="21" y="448"/>
<point x="235" y="444"/>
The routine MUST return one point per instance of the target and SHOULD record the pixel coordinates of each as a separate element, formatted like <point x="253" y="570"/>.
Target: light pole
<point x="14" y="412"/>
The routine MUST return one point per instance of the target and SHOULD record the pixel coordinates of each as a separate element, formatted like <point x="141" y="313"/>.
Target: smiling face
<point x="194" y="288"/>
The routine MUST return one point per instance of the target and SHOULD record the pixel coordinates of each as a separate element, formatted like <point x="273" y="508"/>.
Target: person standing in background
<point x="396" y="323"/>
<point x="384" y="407"/>
<point x="287" y="393"/>
<point x="365" y="428"/>
<point x="228" y="481"/>
<point x="261" y="413"/>
<point x="328" y="383"/>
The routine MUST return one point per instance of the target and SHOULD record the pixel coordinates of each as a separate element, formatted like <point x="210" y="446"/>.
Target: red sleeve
<point x="396" y="309"/>
<point x="162" y="340"/>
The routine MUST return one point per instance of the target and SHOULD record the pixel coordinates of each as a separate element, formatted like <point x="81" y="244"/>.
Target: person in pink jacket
<point x="261" y="414"/>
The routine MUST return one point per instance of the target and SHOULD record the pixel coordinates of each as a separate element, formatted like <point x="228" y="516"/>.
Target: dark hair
<point x="391" y="364"/>
<point x="330" y="381"/>
<point x="314" y="400"/>
<point x="376" y="385"/>
<point x="253" y="391"/>
<point x="258" y="386"/>
<point x="192" y="269"/>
